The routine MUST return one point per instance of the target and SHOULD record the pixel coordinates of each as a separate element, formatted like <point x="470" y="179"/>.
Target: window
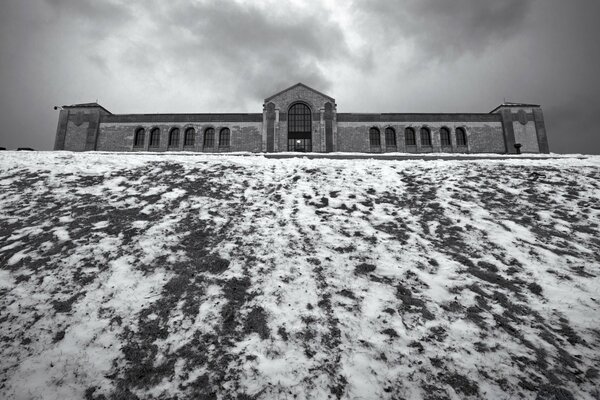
<point x="224" y="137"/>
<point x="425" y="136"/>
<point x="390" y="137"/>
<point x="461" y="137"/>
<point x="299" y="117"/>
<point x="190" y="137"/>
<point x="374" y="137"/>
<point x="209" y="137"/>
<point x="174" y="137"/>
<point x="299" y="128"/>
<point x="154" y="137"/>
<point x="445" y="136"/>
<point x="410" y="136"/>
<point x="139" y="137"/>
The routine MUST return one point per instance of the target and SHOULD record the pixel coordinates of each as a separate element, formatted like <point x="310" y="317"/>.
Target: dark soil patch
<point x="411" y="304"/>
<point x="213" y="263"/>
<point x="65" y="306"/>
<point x="535" y="288"/>
<point x="550" y="392"/>
<point x="347" y="293"/>
<point x="256" y="322"/>
<point x="364" y="268"/>
<point x="462" y="384"/>
<point x="390" y="332"/>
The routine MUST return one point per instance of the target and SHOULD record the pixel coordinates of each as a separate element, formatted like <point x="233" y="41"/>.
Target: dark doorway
<point x="299" y="128"/>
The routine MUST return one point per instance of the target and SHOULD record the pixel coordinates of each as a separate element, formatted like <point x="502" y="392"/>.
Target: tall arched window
<point x="189" y="137"/>
<point x="154" y="137"/>
<point x="461" y="137"/>
<point x="174" y="137"/>
<point x="390" y="137"/>
<point x="224" y="136"/>
<point x="374" y="137"/>
<point x="299" y="128"/>
<point x="410" y="137"/>
<point x="425" y="136"/>
<point x="445" y="136"/>
<point x="209" y="137"/>
<point x="140" y="135"/>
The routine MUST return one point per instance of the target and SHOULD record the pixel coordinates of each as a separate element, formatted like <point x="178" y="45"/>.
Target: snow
<point x="240" y="275"/>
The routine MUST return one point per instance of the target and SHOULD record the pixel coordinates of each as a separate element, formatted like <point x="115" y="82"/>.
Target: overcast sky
<point x="151" y="56"/>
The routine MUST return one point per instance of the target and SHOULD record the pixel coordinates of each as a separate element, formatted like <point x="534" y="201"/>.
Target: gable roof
<point x="508" y="104"/>
<point x="304" y="86"/>
<point x="87" y="105"/>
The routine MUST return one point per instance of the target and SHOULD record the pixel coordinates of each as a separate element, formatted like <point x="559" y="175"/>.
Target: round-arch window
<point x="461" y="137"/>
<point x="209" y="137"/>
<point x="445" y="136"/>
<point x="189" y="138"/>
<point x="224" y="137"/>
<point x="140" y="134"/>
<point x="425" y="136"/>
<point x="299" y="119"/>
<point x="299" y="128"/>
<point x="390" y="137"/>
<point x="411" y="139"/>
<point x="174" y="137"/>
<point x="374" y="137"/>
<point x="154" y="137"/>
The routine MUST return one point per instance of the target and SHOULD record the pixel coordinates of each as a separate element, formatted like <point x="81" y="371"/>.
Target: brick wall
<point x="482" y="137"/>
<point x="245" y="136"/>
<point x="525" y="134"/>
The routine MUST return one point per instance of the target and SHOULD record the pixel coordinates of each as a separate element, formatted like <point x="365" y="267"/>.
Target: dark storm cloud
<point x="262" y="51"/>
<point x="226" y="56"/>
<point x="446" y="29"/>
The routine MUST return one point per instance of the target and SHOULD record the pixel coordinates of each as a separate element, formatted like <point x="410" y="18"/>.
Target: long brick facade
<point x="302" y="119"/>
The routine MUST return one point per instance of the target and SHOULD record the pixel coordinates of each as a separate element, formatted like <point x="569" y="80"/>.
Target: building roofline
<point x="509" y="104"/>
<point x="87" y="105"/>
<point x="304" y="86"/>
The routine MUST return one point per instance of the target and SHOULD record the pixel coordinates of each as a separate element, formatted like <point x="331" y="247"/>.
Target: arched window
<point x="224" y="136"/>
<point x="189" y="137"/>
<point x="154" y="137"/>
<point x="140" y="135"/>
<point x="445" y="136"/>
<point x="461" y="137"/>
<point x="374" y="137"/>
<point x="425" y="136"/>
<point x="299" y="118"/>
<point x="409" y="134"/>
<point x="390" y="137"/>
<point x="299" y="128"/>
<point x="174" y="137"/>
<point x="209" y="137"/>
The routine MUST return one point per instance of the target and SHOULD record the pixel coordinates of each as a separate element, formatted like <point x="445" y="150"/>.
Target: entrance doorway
<point x="299" y="128"/>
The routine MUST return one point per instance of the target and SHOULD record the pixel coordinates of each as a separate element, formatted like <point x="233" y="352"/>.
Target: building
<point x="300" y="118"/>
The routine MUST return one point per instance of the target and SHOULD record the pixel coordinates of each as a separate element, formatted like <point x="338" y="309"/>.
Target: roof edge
<point x="299" y="84"/>
<point x="87" y="105"/>
<point x="509" y="104"/>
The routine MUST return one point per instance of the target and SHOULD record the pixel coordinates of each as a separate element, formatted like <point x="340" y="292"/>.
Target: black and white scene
<point x="299" y="199"/>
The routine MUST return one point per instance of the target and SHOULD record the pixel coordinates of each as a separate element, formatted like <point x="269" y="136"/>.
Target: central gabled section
<point x="299" y="128"/>
<point x="298" y="118"/>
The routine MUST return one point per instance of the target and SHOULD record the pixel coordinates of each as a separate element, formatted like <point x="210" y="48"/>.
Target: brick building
<point x="302" y="119"/>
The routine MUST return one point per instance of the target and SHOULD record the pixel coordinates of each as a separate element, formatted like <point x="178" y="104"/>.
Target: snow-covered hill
<point x="201" y="277"/>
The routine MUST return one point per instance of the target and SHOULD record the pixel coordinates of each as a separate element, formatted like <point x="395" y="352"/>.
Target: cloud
<point x="93" y="17"/>
<point x="445" y="29"/>
<point x="259" y="49"/>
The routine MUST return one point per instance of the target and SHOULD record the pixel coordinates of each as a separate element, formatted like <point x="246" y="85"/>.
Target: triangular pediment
<point x="300" y="92"/>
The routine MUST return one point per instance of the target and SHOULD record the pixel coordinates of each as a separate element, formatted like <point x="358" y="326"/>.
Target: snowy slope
<point x="201" y="277"/>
